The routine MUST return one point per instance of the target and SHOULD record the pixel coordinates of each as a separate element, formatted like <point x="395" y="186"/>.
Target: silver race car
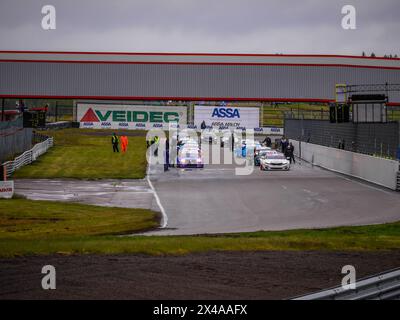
<point x="274" y="161"/>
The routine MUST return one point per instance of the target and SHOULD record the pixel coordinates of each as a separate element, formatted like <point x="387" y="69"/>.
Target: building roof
<point x="199" y="58"/>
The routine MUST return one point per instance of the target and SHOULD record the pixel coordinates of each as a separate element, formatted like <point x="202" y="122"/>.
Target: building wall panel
<point x="184" y="80"/>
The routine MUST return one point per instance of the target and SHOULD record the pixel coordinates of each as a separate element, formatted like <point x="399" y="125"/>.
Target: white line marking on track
<point x="164" y="215"/>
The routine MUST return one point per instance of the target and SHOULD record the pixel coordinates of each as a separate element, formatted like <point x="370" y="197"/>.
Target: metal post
<point x="300" y="152"/>
<point x="262" y="114"/>
<point x="301" y="139"/>
<point x="56" y="115"/>
<point x="2" y="111"/>
<point x="387" y="91"/>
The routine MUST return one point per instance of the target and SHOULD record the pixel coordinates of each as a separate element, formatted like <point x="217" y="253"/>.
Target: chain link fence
<point x="377" y="139"/>
<point x="57" y="110"/>
<point x="14" y="139"/>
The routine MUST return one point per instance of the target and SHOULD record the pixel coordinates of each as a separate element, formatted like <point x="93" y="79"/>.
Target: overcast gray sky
<point x="220" y="26"/>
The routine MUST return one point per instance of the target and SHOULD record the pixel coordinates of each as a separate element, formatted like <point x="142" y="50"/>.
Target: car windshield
<point x="275" y="157"/>
<point x="189" y="153"/>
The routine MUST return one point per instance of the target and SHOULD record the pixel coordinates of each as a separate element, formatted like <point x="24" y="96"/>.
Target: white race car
<point x="209" y="136"/>
<point x="190" y="157"/>
<point x="274" y="161"/>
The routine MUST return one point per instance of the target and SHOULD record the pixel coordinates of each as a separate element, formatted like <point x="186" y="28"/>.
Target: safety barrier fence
<point x="59" y="125"/>
<point x="385" y="286"/>
<point x="377" y="170"/>
<point x="28" y="156"/>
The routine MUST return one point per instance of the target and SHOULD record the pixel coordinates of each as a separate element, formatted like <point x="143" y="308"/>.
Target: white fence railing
<point x="28" y="156"/>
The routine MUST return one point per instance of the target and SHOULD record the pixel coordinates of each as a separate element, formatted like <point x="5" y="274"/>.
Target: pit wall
<point x="380" y="171"/>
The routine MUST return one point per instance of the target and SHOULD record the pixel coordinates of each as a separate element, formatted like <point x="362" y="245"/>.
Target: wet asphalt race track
<point x="112" y="193"/>
<point x="215" y="200"/>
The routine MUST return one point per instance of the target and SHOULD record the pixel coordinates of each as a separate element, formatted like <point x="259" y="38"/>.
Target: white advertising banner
<point x="6" y="189"/>
<point x="227" y="117"/>
<point x="115" y="116"/>
<point x="269" y="131"/>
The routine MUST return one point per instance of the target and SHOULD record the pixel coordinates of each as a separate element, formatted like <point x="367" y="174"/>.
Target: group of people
<point x="288" y="149"/>
<point x="115" y="141"/>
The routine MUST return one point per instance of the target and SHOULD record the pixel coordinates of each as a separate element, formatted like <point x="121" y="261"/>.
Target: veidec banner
<point x="118" y="116"/>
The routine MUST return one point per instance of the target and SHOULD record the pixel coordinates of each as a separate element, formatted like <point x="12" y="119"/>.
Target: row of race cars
<point x="190" y="155"/>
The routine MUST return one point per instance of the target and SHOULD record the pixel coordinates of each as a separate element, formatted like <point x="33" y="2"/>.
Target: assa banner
<point x="114" y="116"/>
<point x="6" y="189"/>
<point x="227" y="117"/>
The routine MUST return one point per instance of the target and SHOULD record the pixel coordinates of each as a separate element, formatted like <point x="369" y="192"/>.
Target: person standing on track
<point x="284" y="145"/>
<point x="115" y="142"/>
<point x="166" y="162"/>
<point x="290" y="153"/>
<point x="156" y="142"/>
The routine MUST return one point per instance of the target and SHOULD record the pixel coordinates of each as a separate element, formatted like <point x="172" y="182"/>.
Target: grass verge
<point x="22" y="219"/>
<point x="38" y="227"/>
<point x="86" y="154"/>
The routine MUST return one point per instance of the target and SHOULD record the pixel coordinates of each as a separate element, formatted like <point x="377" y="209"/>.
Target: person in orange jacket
<point x="124" y="143"/>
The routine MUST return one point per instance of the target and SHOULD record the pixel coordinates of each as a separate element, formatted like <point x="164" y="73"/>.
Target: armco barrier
<point x="59" y="125"/>
<point x="28" y="156"/>
<point x="372" y="169"/>
<point x="385" y="286"/>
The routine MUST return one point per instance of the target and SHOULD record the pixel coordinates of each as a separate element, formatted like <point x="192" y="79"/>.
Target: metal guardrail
<point x="59" y="125"/>
<point x="384" y="286"/>
<point x="28" y="156"/>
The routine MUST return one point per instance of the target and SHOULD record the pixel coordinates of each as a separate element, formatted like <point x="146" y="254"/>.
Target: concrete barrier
<point x="372" y="169"/>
